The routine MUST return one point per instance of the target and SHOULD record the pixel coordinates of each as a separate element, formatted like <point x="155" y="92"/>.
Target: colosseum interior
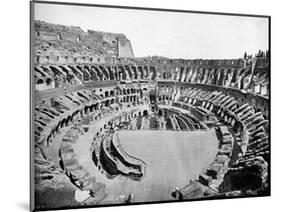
<point x="111" y="128"/>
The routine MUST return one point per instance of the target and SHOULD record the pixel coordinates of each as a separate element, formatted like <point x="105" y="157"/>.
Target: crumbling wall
<point x="125" y="48"/>
<point x="72" y="41"/>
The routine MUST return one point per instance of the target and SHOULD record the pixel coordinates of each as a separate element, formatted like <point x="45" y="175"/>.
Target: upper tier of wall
<point x="61" y="45"/>
<point x="54" y="39"/>
<point x="162" y="63"/>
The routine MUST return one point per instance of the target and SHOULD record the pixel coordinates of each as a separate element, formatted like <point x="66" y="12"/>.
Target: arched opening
<point x="141" y="93"/>
<point x="135" y="72"/>
<point x="40" y="81"/>
<point x="94" y="76"/>
<point x="122" y="73"/>
<point x="98" y="73"/>
<point x="85" y="110"/>
<point x="145" y="71"/>
<point x="49" y="81"/>
<point x="86" y="75"/>
<point x="106" y="103"/>
<point x="165" y="75"/>
<point x="129" y="72"/>
<point x="105" y="72"/>
<point x="152" y="72"/>
<point x="111" y="75"/>
<point x="181" y="74"/>
<point x="76" y="73"/>
<point x="145" y="113"/>
<point x="140" y="70"/>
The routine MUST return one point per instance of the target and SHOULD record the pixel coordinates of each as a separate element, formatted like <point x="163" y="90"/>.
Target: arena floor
<point x="172" y="158"/>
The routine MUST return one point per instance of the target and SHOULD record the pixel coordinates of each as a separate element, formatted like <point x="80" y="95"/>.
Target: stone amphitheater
<point x="111" y="128"/>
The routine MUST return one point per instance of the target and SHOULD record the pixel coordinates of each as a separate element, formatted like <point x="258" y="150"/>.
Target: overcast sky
<point x="168" y="34"/>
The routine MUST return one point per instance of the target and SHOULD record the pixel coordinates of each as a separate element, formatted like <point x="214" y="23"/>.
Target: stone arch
<point x="49" y="81"/>
<point x="165" y="75"/>
<point x="76" y="72"/>
<point x="141" y="93"/>
<point x="40" y="81"/>
<point x="188" y="72"/>
<point x="146" y="74"/>
<point x="57" y="72"/>
<point x="69" y="73"/>
<point x="104" y="72"/>
<point x="134" y="69"/>
<point x="93" y="74"/>
<point x="106" y="94"/>
<point x="145" y="112"/>
<point x="115" y="73"/>
<point x="205" y="76"/>
<point x="182" y="74"/>
<point x="152" y="71"/>
<point x="98" y="73"/>
<point x="140" y="71"/>
<point x="111" y="74"/>
<point x="106" y="103"/>
<point x="220" y="77"/>
<point x="122" y="73"/>
<point x="86" y="75"/>
<point x="118" y="91"/>
<point x="128" y="70"/>
<point x="86" y="69"/>
<point x="214" y="76"/>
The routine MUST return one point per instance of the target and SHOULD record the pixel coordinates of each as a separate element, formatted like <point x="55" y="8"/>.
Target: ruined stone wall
<point x="125" y="48"/>
<point x="54" y="39"/>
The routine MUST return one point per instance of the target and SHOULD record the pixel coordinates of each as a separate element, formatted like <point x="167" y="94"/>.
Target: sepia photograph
<point x="133" y="105"/>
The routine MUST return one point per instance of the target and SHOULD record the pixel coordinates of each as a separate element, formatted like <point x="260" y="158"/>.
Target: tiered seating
<point x="77" y="175"/>
<point x="247" y="123"/>
<point x="109" y="155"/>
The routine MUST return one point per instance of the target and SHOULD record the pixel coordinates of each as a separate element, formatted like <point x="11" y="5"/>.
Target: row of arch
<point x="215" y="76"/>
<point x="120" y="91"/>
<point x="82" y="73"/>
<point x="64" y="122"/>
